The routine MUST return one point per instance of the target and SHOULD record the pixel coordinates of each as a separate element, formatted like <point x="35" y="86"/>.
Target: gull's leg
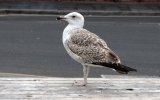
<point x="86" y="70"/>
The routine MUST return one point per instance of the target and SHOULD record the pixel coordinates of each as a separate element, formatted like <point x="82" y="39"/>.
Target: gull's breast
<point x="73" y="55"/>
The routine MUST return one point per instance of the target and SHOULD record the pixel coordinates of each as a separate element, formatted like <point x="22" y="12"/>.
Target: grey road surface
<point x="32" y="45"/>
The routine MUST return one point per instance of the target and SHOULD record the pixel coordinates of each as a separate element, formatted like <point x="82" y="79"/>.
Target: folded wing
<point x="90" y="47"/>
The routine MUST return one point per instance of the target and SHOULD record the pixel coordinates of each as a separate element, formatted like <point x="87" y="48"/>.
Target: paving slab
<point x="112" y="88"/>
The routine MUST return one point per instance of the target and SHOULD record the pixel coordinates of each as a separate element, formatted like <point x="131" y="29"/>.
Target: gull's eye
<point x="73" y="16"/>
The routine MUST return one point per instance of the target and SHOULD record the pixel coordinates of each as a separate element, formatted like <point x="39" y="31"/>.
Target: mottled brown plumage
<point x="90" y="47"/>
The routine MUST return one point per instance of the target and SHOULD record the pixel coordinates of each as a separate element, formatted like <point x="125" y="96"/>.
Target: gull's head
<point x="73" y="18"/>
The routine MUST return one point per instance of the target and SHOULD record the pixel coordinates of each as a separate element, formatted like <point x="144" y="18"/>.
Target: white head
<point x="73" y="18"/>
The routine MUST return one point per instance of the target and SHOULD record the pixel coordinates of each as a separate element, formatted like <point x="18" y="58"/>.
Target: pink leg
<point x="86" y="70"/>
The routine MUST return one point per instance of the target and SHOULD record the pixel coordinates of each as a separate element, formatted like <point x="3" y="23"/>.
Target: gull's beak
<point x="61" y="18"/>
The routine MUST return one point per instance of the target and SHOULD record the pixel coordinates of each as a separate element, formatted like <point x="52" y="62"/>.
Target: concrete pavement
<point x="109" y="88"/>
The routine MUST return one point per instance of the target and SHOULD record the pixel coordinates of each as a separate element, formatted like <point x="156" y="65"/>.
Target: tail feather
<point x="117" y="66"/>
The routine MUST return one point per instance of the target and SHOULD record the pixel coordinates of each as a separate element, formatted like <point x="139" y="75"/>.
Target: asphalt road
<point x="32" y="45"/>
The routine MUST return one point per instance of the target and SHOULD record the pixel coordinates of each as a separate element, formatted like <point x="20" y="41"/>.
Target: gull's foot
<point x="79" y="83"/>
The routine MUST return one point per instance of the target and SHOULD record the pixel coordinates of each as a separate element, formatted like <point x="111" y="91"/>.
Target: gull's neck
<point x="67" y="30"/>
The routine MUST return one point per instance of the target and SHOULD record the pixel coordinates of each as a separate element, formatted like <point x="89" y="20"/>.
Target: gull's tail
<point x="116" y="66"/>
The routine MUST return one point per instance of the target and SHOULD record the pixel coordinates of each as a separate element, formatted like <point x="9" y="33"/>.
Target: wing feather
<point x="90" y="47"/>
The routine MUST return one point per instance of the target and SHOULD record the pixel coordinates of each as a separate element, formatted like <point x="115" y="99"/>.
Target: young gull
<point x="87" y="48"/>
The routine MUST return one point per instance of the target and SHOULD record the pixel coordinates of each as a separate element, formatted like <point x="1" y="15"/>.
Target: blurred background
<point x="90" y="6"/>
<point x="31" y="38"/>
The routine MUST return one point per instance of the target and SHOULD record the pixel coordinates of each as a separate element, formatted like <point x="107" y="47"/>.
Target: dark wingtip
<point x="125" y="69"/>
<point x="129" y="69"/>
<point x="117" y="66"/>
